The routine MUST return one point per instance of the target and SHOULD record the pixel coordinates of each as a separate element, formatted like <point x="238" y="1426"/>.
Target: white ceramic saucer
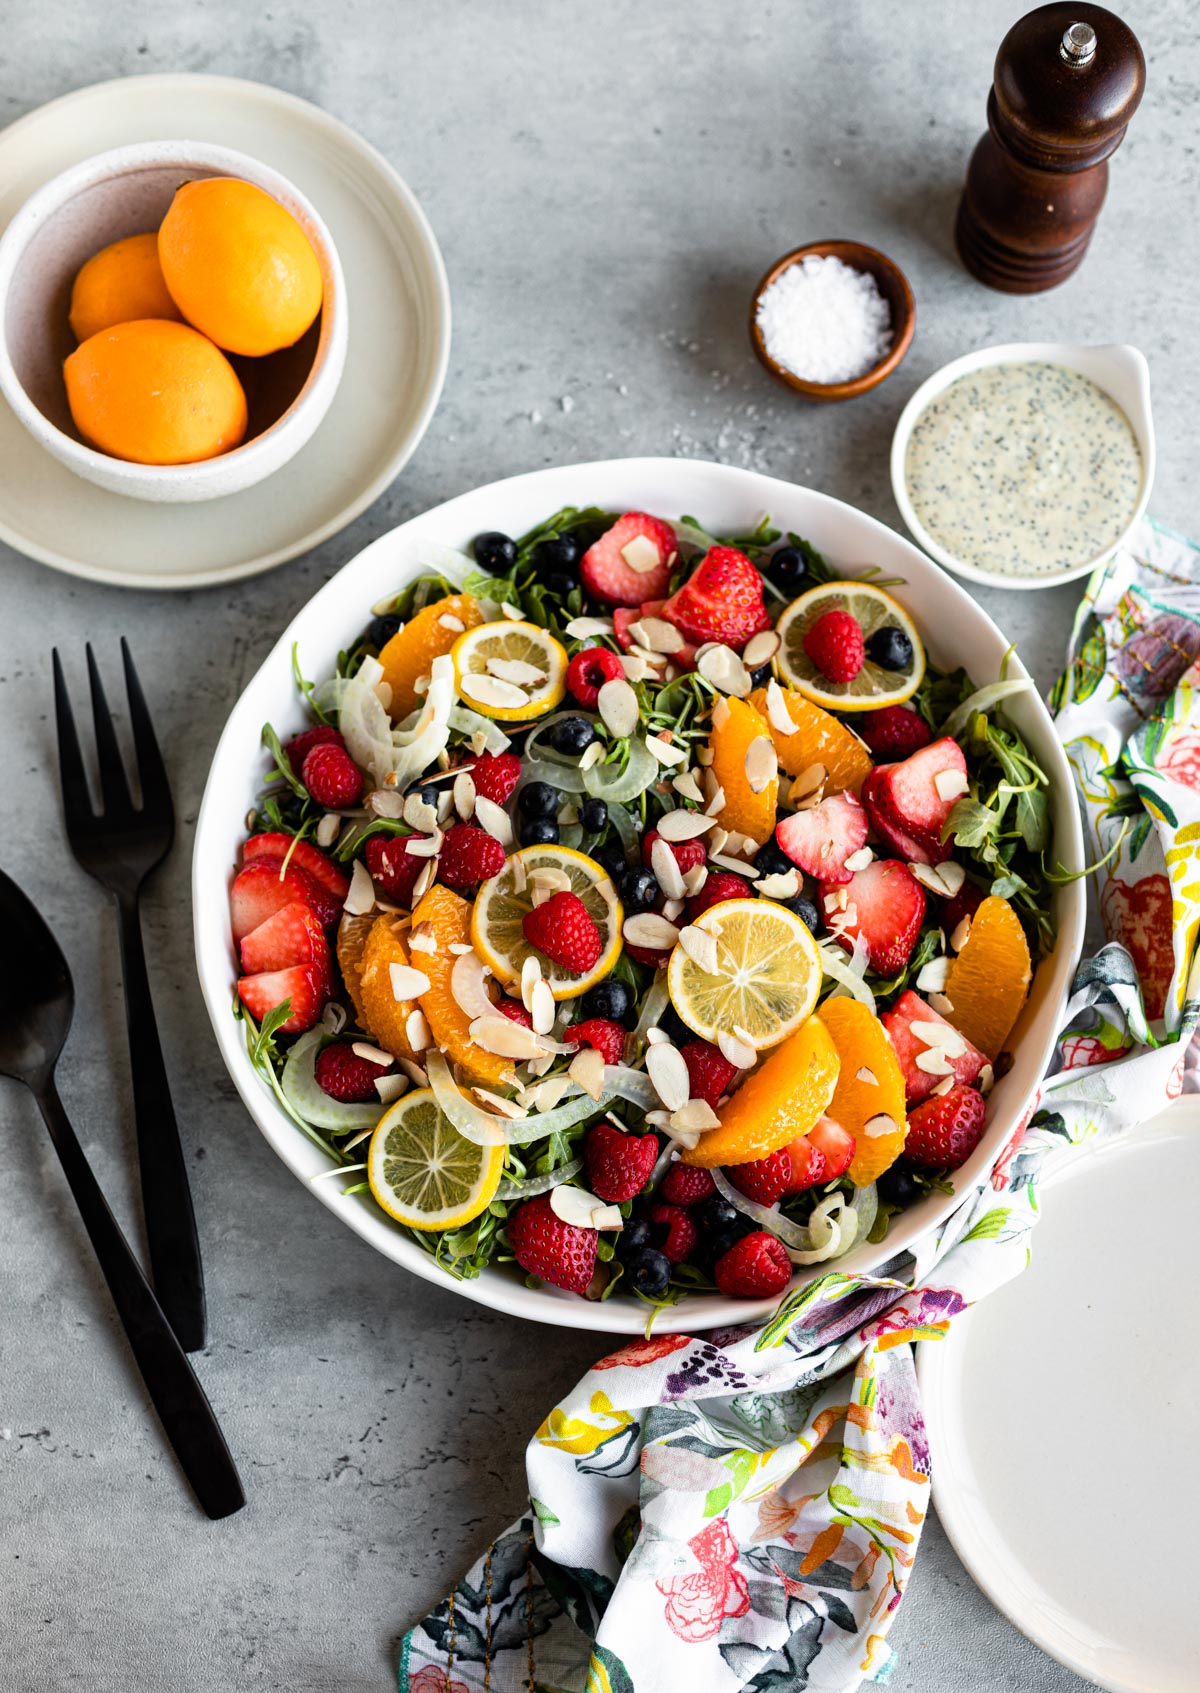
<point x="395" y="365"/>
<point x="1064" y="1415"/>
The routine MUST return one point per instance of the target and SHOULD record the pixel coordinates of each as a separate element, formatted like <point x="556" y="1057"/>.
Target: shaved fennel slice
<point x="841" y="969"/>
<point x="622" y="822"/>
<point x="471" y="723"/>
<point x="656" y="1003"/>
<point x="533" y="1185"/>
<point x="642" y="770"/>
<point x="485" y="1129"/>
<point x="983" y="699"/>
<point x="394" y="756"/>
<point x="565" y="777"/>
<point x="633" y="1085"/>
<point x="829" y="1232"/>
<point x="310" y="1101"/>
<point x="446" y="561"/>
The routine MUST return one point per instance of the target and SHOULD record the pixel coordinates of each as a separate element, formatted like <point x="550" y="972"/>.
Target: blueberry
<point x="538" y="831"/>
<point x="383" y="628"/>
<point x="760" y="677"/>
<point x="771" y="860"/>
<point x="563" y="553"/>
<point x="639" y="890"/>
<point x="558" y="582"/>
<point x="898" y="1186"/>
<point x="806" y="911"/>
<point x="634" y="1237"/>
<point x="787" y="569"/>
<point x="890" y="648"/>
<point x="495" y="552"/>
<point x="714" y="1245"/>
<point x="571" y="736"/>
<point x="612" y="857"/>
<point x="610" y="999"/>
<point x="593" y="814"/>
<point x="538" y="799"/>
<point x="715" y="1214"/>
<point x="674" y="1027"/>
<point x="648" y="1272"/>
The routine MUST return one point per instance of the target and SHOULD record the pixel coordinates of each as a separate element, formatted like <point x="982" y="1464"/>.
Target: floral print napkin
<point x="741" y="1510"/>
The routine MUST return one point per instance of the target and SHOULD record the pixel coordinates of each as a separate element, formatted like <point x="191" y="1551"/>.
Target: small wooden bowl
<point x="892" y="284"/>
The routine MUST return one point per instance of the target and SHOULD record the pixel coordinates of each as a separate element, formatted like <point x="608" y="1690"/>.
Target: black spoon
<point x="35" y="1016"/>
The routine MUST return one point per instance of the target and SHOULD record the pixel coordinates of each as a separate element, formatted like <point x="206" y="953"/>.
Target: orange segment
<point x="450" y="919"/>
<point x="736" y="725"/>
<point x="776" y="1103"/>
<point x="990" y="977"/>
<point x="411" y="651"/>
<point x="351" y="939"/>
<point x="870" y="1087"/>
<point x="819" y="739"/>
<point x="384" y="1016"/>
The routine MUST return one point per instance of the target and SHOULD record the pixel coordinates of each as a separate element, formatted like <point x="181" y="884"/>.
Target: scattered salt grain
<point x="825" y="321"/>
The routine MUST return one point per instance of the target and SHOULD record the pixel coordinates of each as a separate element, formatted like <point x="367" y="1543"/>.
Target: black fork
<point x="120" y="845"/>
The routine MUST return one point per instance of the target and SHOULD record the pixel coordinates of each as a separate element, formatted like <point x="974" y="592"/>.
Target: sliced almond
<point x="682" y="825"/>
<point x="418" y="1035"/>
<point x="704" y="755"/>
<point x="424" y="846"/>
<point x="778" y="715"/>
<point x="958" y="937"/>
<point x="761" y="764"/>
<point x="701" y="948"/>
<point x="880" y="1124"/>
<point x="506" y="1039"/>
<point x="694" y="879"/>
<point x="943" y="1035"/>
<point x="939" y="1003"/>
<point x="449" y="621"/>
<point x="592" y="755"/>
<point x="425" y="880"/>
<point x="512" y="612"/>
<point x="724" y="861"/>
<point x="719" y="836"/>
<point x="953" y="876"/>
<point x="860" y="859"/>
<point x="835" y="900"/>
<point x="715" y="804"/>
<point x="929" y="876"/>
<point x="464" y="794"/>
<point x="372" y="1054"/>
<point x="542" y="1007"/>
<point x="942" y="1087"/>
<point x="509" y="1108"/>
<point x="667" y="1069"/>
<point x="932" y="976"/>
<point x="719" y="715"/>
<point x="673" y="909"/>
<point x="721" y="666"/>
<point x="494" y="819"/>
<point x="665" y="866"/>
<point x="641" y="555"/>
<point x="760" y="649"/>
<point x="531" y="974"/>
<point x="407" y="982"/>
<point x="618" y="707"/>
<point x="657" y="634"/>
<point x="574" y="1205"/>
<point x="360" y="897"/>
<point x="517" y="671"/>
<point x="419" y="814"/>
<point x="649" y="929"/>
<point x="951" y="783"/>
<point x="986" y="1080"/>
<point x="445" y="808"/>
<point x="867" y="1076"/>
<point x="687" y="787"/>
<point x="934" y="1062"/>
<point x="667" y="754"/>
<point x="586" y="1069"/>
<point x="412" y="1070"/>
<point x="810" y="780"/>
<point x="580" y="628"/>
<point x="655" y="1036"/>
<point x="635" y="667"/>
<point x="490" y="690"/>
<point x="390" y="1088"/>
<point x="696" y="1115"/>
<point x="551" y="877"/>
<point x="737" y="1051"/>
<point x="328" y="829"/>
<point x="545" y="1096"/>
<point x="783" y="884"/>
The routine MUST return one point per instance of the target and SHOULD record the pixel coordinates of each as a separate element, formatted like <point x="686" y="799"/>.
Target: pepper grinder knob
<point x="1067" y="80"/>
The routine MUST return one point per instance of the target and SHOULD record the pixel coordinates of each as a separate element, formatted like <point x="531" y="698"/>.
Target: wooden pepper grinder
<point x="1068" y="79"/>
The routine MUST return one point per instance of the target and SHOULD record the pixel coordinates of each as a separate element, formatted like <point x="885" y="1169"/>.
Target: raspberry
<point x="469" y="856"/>
<point x="709" y="1071"/>
<point x="562" y="928"/>
<point x="687" y="854"/>
<point x="514" y="1011"/>
<point x="607" y="1037"/>
<point x="618" y="1165"/>
<point x="554" y="1251"/>
<point x="682" y="1233"/>
<point x="320" y="735"/>
<point x="765" y="1180"/>
<point x="683" y="1184"/>
<point x="495" y="775"/>
<point x="965" y="903"/>
<point x="835" y="645"/>
<point x="647" y="955"/>
<point x="754" y="1267"/>
<point x="332" y="777"/>
<point x="893" y="732"/>
<point x="589" y="670"/>
<point x="344" y="1075"/>
<point x="393" y="868"/>
<point x="944" y="1132"/>
<point x="718" y="885"/>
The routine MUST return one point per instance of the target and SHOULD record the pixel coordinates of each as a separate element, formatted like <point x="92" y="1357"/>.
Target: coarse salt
<point x="825" y="321"/>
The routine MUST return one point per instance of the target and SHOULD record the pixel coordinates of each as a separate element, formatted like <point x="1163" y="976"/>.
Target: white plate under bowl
<point x="1063" y="1418"/>
<point x="726" y="501"/>
<point x="399" y="343"/>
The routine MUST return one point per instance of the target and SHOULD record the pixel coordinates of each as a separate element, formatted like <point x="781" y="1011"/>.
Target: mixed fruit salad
<point x="640" y="909"/>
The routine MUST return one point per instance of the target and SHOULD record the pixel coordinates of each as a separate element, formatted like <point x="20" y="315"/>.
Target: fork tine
<point x="77" y="802"/>
<point x="113" y="785"/>
<point x="152" y="772"/>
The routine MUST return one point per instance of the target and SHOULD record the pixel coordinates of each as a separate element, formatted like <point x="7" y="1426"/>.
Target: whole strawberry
<point x="893" y="732"/>
<point x="721" y="601"/>
<point x="495" y="775"/>
<point x="393" y="868"/>
<point x="686" y="1184"/>
<point x="682" y="1233"/>
<point x="687" y="854"/>
<point x="835" y="645"/>
<point x="710" y="1074"/>
<point x="562" y="928"/>
<point x="344" y="1075"/>
<point x="331" y="776"/>
<point x="755" y="1267"/>
<point x="618" y="1165"/>
<point x="944" y="1132"/>
<point x="554" y="1251"/>
<point x="719" y="885"/>
<point x="469" y="856"/>
<point x="607" y="1037"/>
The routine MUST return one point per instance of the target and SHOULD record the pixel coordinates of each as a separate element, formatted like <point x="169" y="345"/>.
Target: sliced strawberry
<point x="964" y="1060"/>
<point x="291" y="936"/>
<point x="820" y="840"/>
<point x="885" y="904"/>
<point x="631" y="562"/>
<point x="264" y="887"/>
<point x="721" y="601"/>
<point x="306" y="987"/>
<point x="304" y="856"/>
<point x="917" y="796"/>
<point x="624" y="617"/>
<point x="889" y="830"/>
<point x="833" y="1145"/>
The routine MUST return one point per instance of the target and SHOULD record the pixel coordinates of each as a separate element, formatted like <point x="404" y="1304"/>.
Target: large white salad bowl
<point x="725" y="501"/>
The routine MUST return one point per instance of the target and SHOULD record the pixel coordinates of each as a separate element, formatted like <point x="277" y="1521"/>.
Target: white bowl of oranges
<point x="173" y="320"/>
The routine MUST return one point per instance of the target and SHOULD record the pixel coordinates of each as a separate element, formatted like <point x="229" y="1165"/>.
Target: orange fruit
<point x="351" y="939"/>
<point x="382" y="1015"/>
<point x="776" y="1103"/>
<point x="155" y="392"/>
<point x="120" y="283"/>
<point x="819" y="739"/>
<point x="450" y="918"/>
<point x="736" y="725"/>
<point x="411" y="651"/>
<point x="870" y="1086"/>
<point x="239" y="266"/>
<point x="990" y="977"/>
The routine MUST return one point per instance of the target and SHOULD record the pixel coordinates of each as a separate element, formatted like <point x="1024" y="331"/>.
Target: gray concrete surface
<point x="607" y="182"/>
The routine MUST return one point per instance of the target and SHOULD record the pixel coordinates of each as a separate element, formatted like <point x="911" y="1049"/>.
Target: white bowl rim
<point x="328" y="356"/>
<point x="1024" y="352"/>
<point x="499" y="1290"/>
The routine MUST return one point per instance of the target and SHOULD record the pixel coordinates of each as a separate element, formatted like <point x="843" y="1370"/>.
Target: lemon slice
<point x="873" y="687"/>
<point x="510" y="671"/>
<point x="767" y="979"/>
<point x="496" y="932"/>
<point x="424" y="1173"/>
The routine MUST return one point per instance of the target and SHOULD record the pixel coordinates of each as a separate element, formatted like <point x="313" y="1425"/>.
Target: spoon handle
<point x="185" y="1413"/>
